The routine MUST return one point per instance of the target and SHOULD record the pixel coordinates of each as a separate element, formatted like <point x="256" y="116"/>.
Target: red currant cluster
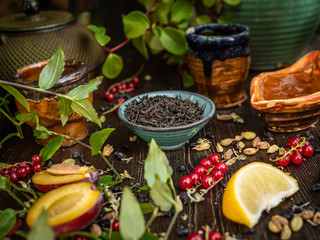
<point x="209" y="172"/>
<point x="213" y="235"/>
<point x="120" y="87"/>
<point x="299" y="147"/>
<point x="22" y="169"/>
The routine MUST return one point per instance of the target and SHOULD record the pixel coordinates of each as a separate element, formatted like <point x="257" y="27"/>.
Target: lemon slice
<point x="254" y="188"/>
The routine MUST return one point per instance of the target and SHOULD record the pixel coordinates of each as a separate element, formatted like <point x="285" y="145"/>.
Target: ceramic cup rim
<point x="167" y="129"/>
<point x="193" y="32"/>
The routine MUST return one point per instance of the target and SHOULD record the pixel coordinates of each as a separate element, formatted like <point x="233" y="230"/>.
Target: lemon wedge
<point x="254" y="188"/>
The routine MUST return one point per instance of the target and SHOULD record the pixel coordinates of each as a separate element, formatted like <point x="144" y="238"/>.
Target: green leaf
<point x="232" y="2"/>
<point x="162" y="13"/>
<point x="203" y="19"/>
<point x="131" y="217"/>
<point x="7" y="219"/>
<point x="4" y="165"/>
<point x="187" y="80"/>
<point x="51" y="73"/>
<point x="24" y="117"/>
<point x="140" y="44"/>
<point x="208" y="3"/>
<point x="52" y="146"/>
<point x="64" y="109"/>
<point x="156" y="164"/>
<point x="84" y="108"/>
<point x="99" y="33"/>
<point x="149" y="236"/>
<point x="173" y="41"/>
<point x="161" y="194"/>
<point x="3" y="184"/>
<point x="135" y="24"/>
<point x="155" y="45"/>
<point x="226" y="19"/>
<point x="117" y="236"/>
<point x="41" y="229"/>
<point x="17" y="95"/>
<point x="112" y="67"/>
<point x="181" y="10"/>
<point x="41" y="132"/>
<point x="172" y="59"/>
<point x="183" y="24"/>
<point x="97" y="139"/>
<point x="143" y="188"/>
<point x="83" y="91"/>
<point x="147" y="207"/>
<point x="105" y="180"/>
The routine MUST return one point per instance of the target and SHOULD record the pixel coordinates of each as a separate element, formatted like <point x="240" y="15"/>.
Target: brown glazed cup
<point x="46" y="105"/>
<point x="219" y="61"/>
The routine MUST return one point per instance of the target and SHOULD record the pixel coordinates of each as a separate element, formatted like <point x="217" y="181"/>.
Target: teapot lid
<point x="32" y="19"/>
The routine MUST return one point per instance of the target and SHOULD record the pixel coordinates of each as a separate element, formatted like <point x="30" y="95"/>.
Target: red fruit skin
<point x="113" y="90"/>
<point x="207" y="181"/>
<point x="195" y="236"/>
<point x="284" y="162"/>
<point x="80" y="222"/>
<point x="135" y="81"/>
<point x="94" y="178"/>
<point x="195" y="178"/>
<point x="200" y="170"/>
<point x="221" y="166"/>
<point x="36" y="158"/>
<point x="185" y="182"/>
<point x="214" y="158"/>
<point x="206" y="163"/>
<point x="116" y="226"/>
<point x="217" y="174"/>
<point x="214" y="235"/>
<point x="296" y="157"/>
<point x="294" y="141"/>
<point x="15" y="227"/>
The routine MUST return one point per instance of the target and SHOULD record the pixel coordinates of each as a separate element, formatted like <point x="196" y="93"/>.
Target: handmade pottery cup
<point x="219" y="61"/>
<point x="46" y="105"/>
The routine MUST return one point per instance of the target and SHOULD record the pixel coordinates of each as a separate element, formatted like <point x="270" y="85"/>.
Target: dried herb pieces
<point x="163" y="111"/>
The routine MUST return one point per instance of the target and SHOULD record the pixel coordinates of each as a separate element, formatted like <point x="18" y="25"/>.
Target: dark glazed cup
<point x="219" y="61"/>
<point x="46" y="105"/>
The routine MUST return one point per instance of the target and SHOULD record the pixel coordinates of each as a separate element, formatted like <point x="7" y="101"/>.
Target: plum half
<point x="70" y="208"/>
<point x="45" y="181"/>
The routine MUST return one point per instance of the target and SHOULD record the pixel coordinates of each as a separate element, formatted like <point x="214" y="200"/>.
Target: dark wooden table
<point x="199" y="214"/>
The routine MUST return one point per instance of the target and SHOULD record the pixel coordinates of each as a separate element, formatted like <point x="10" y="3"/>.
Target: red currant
<point x="113" y="90"/>
<point x="305" y="144"/>
<point x="110" y="97"/>
<point x="37" y="167"/>
<point x="135" y="81"/>
<point x="206" y="163"/>
<point x="121" y="100"/>
<point x="23" y="164"/>
<point x="284" y="161"/>
<point x="12" y="170"/>
<point x="207" y="181"/>
<point x="14" y="177"/>
<point x="296" y="157"/>
<point x="200" y="170"/>
<point x="298" y="150"/>
<point x="221" y="166"/>
<point x="214" y="235"/>
<point x="105" y="94"/>
<point x="195" y="178"/>
<point x="28" y="169"/>
<point x="124" y="86"/>
<point x="214" y="158"/>
<point x="217" y="174"/>
<point x="116" y="226"/>
<point x="36" y="158"/>
<point x="308" y="151"/>
<point x="5" y="171"/>
<point x="194" y="236"/>
<point x="21" y="172"/>
<point x="130" y="86"/>
<point x="294" y="141"/>
<point x="185" y="182"/>
<point x="119" y="87"/>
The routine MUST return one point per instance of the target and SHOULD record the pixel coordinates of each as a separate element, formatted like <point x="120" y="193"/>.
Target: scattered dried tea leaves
<point x="240" y="145"/>
<point x="226" y="142"/>
<point x="255" y="141"/>
<point x="263" y="145"/>
<point x="133" y="138"/>
<point x="231" y="161"/>
<point x="232" y="116"/>
<point x="272" y="149"/>
<point x="127" y="160"/>
<point x="219" y="148"/>
<point x="125" y="174"/>
<point x="228" y="154"/>
<point x="163" y="111"/>
<point x="224" y="117"/>
<point x="236" y="118"/>
<point x="107" y="150"/>
<point x="250" y="151"/>
<point x="248" y="135"/>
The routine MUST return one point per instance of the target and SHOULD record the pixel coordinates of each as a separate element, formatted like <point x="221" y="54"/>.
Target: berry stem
<point x="15" y="197"/>
<point x="303" y="140"/>
<point x="153" y="216"/>
<point x="173" y="220"/>
<point x="23" y="190"/>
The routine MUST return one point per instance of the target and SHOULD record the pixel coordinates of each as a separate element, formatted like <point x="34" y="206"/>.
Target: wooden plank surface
<point x="199" y="214"/>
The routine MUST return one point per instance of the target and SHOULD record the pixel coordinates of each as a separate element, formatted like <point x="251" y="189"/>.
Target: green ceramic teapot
<point x="34" y="36"/>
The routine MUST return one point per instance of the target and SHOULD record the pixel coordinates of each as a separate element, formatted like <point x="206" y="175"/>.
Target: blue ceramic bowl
<point x="170" y="138"/>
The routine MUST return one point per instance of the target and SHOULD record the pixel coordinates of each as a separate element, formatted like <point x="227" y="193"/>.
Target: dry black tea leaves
<point x="163" y="111"/>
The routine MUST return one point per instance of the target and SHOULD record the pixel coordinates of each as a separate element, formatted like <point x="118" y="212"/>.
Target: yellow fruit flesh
<point x="45" y="178"/>
<point x="65" y="203"/>
<point x="255" y="187"/>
